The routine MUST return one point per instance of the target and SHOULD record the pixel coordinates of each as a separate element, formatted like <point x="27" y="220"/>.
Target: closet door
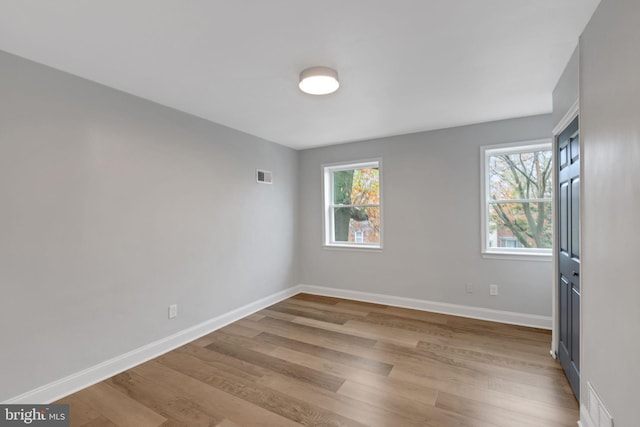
<point x="569" y="252"/>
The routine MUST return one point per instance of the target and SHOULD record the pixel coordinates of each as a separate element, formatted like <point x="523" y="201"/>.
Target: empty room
<point x="292" y="213"/>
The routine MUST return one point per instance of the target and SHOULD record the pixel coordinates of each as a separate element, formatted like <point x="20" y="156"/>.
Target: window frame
<point x="487" y="151"/>
<point x="328" y="227"/>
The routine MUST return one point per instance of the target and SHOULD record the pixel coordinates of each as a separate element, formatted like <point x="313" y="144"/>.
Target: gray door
<point x="569" y="252"/>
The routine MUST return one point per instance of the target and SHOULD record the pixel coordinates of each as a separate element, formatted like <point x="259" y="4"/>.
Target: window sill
<point x="518" y="256"/>
<point x="357" y="248"/>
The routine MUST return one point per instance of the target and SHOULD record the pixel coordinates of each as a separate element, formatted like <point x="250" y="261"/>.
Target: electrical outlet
<point x="469" y="288"/>
<point x="493" y="290"/>
<point x="173" y="311"/>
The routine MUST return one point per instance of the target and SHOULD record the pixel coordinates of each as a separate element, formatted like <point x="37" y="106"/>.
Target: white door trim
<point x="566" y="120"/>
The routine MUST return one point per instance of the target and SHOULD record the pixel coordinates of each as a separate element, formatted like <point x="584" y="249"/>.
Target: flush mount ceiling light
<point x="319" y="80"/>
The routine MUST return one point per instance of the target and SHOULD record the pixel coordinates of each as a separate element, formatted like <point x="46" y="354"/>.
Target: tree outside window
<point x="518" y="203"/>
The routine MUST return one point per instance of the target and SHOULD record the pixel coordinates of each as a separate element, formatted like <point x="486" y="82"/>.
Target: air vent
<point x="263" y="176"/>
<point x="600" y="416"/>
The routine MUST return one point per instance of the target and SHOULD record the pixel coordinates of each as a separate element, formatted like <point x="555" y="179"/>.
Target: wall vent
<point x="600" y="416"/>
<point x="263" y="176"/>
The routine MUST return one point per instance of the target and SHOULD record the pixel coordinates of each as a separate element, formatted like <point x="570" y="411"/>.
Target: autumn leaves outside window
<point x="352" y="205"/>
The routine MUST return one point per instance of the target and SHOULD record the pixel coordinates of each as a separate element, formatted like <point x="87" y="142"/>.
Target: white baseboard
<point x="542" y="322"/>
<point x="65" y="386"/>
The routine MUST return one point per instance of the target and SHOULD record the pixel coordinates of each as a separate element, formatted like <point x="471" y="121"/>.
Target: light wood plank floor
<point x="319" y="361"/>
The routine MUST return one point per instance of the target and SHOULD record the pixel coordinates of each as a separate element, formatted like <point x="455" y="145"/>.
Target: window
<point x="352" y="205"/>
<point x="516" y="212"/>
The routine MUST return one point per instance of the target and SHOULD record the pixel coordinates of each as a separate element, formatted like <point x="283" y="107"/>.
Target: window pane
<point x="342" y="185"/>
<point x="525" y="175"/>
<point x="356" y="187"/>
<point x="357" y="225"/>
<point x="519" y="225"/>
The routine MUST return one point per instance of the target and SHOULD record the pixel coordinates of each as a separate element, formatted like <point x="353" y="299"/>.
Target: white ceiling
<point x="404" y="65"/>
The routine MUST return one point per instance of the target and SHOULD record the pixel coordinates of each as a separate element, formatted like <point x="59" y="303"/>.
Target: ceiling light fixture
<point x="319" y="80"/>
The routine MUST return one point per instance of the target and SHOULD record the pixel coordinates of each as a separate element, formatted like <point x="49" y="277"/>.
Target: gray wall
<point x="431" y="222"/>
<point x="112" y="208"/>
<point x="567" y="90"/>
<point x="610" y="133"/>
<point x="565" y="94"/>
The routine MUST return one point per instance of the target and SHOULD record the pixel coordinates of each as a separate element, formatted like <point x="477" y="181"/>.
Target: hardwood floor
<point x="319" y="361"/>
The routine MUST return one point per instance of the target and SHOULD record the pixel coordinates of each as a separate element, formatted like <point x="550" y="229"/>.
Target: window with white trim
<point x="352" y="205"/>
<point x="517" y="198"/>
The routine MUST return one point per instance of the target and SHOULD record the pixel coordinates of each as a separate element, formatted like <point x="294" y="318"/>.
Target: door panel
<point x="564" y="318"/>
<point x="569" y="253"/>
<point x="575" y="147"/>
<point x="575" y="218"/>
<point x="563" y="157"/>
<point x="564" y="217"/>
<point x="575" y="335"/>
